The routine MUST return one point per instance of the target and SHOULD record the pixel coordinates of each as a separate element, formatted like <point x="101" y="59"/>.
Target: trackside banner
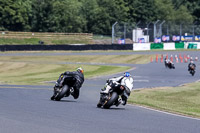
<point x="193" y="45"/>
<point x="166" y="46"/>
<point x="156" y="46"/>
<point x="141" y="46"/>
<point x="198" y="45"/>
<point x="179" y="45"/>
<point x="169" y="46"/>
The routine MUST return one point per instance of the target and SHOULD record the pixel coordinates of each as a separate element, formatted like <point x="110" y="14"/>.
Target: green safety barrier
<point x="156" y="46"/>
<point x="179" y="45"/>
<point x="192" y="46"/>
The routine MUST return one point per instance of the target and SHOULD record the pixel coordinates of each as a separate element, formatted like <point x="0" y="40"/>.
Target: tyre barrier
<point x="78" y="47"/>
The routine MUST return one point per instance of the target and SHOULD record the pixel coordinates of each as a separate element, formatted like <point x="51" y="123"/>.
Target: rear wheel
<point x="193" y="72"/>
<point x="61" y="93"/>
<point x="111" y="100"/>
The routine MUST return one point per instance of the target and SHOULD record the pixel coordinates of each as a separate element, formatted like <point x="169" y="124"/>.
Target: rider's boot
<point x="75" y="93"/>
<point x="124" y="100"/>
<point x="119" y="101"/>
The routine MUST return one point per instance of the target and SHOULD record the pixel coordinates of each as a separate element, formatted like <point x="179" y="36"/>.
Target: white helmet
<point x="79" y="70"/>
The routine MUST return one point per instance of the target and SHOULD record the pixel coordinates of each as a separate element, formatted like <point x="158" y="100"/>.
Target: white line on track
<point x="141" y="80"/>
<point x="177" y="115"/>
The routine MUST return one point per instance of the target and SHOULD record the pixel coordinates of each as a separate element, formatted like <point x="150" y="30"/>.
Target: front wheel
<point x="111" y="100"/>
<point x="61" y="93"/>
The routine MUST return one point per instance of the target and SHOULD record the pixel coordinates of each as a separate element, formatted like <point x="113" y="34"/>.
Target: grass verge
<point x="183" y="100"/>
<point x="39" y="69"/>
<point x="124" y="59"/>
<point x="19" y="73"/>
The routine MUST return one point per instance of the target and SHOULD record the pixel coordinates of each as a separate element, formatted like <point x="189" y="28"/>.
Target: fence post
<point x="161" y="28"/>
<point x="113" y="32"/>
<point x="155" y="28"/>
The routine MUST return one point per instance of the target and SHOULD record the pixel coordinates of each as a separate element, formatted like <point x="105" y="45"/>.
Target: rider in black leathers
<point x="74" y="79"/>
<point x="190" y="65"/>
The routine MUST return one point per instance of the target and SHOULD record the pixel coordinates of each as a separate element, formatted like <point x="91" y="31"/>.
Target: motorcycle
<point x="192" y="70"/>
<point x="109" y="94"/>
<point x="63" y="91"/>
<point x="169" y="64"/>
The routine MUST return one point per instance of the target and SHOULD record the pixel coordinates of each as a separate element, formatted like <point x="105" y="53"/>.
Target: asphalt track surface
<point x="28" y="109"/>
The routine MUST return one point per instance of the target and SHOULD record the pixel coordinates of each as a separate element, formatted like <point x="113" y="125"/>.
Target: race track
<point x="27" y="109"/>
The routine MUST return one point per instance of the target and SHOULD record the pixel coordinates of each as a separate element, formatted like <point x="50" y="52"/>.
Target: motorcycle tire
<point x="114" y="96"/>
<point x="61" y="93"/>
<point x="193" y="72"/>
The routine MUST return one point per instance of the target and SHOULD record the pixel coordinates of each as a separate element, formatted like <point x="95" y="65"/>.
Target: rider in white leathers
<point x="123" y="82"/>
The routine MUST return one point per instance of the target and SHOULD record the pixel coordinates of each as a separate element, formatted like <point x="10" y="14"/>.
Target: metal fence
<point x="130" y="33"/>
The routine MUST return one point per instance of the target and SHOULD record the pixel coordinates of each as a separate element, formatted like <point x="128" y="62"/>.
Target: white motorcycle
<point x="109" y="95"/>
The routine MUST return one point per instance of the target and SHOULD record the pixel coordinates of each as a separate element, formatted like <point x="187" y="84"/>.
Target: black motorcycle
<point x="192" y="70"/>
<point x="65" y="90"/>
<point x="109" y="96"/>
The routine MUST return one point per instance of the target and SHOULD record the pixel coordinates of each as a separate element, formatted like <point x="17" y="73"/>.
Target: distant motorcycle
<point x="169" y="64"/>
<point x="192" y="70"/>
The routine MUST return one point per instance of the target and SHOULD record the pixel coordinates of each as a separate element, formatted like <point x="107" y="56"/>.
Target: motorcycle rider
<point x="171" y="64"/>
<point x="166" y="62"/>
<point x="190" y="65"/>
<point x="75" y="79"/>
<point x="118" y="82"/>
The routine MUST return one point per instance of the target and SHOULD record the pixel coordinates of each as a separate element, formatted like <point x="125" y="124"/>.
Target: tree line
<point x="91" y="16"/>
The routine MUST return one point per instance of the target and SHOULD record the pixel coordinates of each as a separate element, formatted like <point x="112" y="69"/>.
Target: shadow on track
<point x="68" y="101"/>
<point x="112" y="108"/>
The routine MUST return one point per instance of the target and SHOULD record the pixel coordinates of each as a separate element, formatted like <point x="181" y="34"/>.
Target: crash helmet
<point x="79" y="70"/>
<point x="192" y="61"/>
<point x="127" y="74"/>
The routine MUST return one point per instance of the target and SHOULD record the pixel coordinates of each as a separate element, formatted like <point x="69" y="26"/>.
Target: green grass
<point x="125" y="59"/>
<point x="41" y="69"/>
<point x="68" y="41"/>
<point x="40" y="73"/>
<point x="19" y="41"/>
<point x="182" y="100"/>
<point x="101" y="37"/>
<point x="47" y="40"/>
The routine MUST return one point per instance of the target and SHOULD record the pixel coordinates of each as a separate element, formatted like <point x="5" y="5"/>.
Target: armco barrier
<point x="166" y="46"/>
<point x="192" y="46"/>
<point x="179" y="45"/>
<point x="169" y="46"/>
<point x="156" y="46"/>
<point x="141" y="46"/>
<point x="66" y="47"/>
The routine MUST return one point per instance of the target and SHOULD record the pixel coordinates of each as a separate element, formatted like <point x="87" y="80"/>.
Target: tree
<point x="41" y="12"/>
<point x="67" y="16"/>
<point x="14" y="15"/>
<point x="142" y="10"/>
<point x="109" y="12"/>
